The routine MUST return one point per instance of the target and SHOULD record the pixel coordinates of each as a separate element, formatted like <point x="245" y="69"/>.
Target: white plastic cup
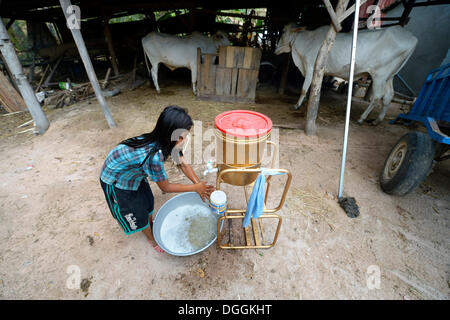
<point x="218" y="202"/>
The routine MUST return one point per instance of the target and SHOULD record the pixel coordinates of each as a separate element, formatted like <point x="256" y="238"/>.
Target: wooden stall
<point x="232" y="79"/>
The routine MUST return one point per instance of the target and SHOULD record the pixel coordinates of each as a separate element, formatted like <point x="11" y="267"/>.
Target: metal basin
<point x="174" y="206"/>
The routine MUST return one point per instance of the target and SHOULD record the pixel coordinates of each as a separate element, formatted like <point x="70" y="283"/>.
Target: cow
<point x="380" y="53"/>
<point x="179" y="52"/>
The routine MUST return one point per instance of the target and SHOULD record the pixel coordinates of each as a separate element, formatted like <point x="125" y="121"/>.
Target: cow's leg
<point x="368" y="110"/>
<point x="305" y="87"/>
<point x="155" y="76"/>
<point x="194" y="79"/>
<point x="154" y="71"/>
<point x="387" y="98"/>
<point x="377" y="92"/>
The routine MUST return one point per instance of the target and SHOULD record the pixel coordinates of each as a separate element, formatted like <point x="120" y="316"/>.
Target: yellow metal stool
<point x="241" y="139"/>
<point x="240" y="213"/>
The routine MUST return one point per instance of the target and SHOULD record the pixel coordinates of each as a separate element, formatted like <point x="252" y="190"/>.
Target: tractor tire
<point x="408" y="163"/>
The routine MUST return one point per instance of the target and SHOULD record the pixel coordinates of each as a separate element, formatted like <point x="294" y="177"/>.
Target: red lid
<point x="243" y="123"/>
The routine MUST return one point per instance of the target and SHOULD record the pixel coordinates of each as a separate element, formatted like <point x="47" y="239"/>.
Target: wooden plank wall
<point x="207" y="75"/>
<point x="10" y="99"/>
<point x="233" y="79"/>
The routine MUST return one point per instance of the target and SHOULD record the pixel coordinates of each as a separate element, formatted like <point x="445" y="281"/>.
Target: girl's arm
<point x="188" y="171"/>
<point x="201" y="188"/>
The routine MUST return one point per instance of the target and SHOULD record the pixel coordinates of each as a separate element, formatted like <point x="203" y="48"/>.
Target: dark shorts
<point x="130" y="208"/>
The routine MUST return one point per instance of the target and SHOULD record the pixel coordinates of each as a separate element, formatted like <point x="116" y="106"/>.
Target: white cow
<point x="179" y="52"/>
<point x="380" y="53"/>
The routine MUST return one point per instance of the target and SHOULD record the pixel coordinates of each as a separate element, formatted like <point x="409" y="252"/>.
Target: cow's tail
<point x="145" y="58"/>
<point x="408" y="55"/>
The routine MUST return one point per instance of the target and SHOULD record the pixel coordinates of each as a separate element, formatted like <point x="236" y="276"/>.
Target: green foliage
<point x="163" y="15"/>
<point x="238" y="20"/>
<point x="133" y="17"/>
<point x="18" y="35"/>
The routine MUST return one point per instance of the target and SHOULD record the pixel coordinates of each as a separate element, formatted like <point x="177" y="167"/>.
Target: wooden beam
<point x="42" y="78"/>
<point x="256" y="232"/>
<point x="31" y="70"/>
<point x="431" y="3"/>
<point x="76" y="33"/>
<point x="405" y="16"/>
<point x="248" y="242"/>
<point x="334" y="18"/>
<point x="9" y="24"/>
<point x="228" y="14"/>
<point x="11" y="59"/>
<point x="52" y="71"/>
<point x="319" y="70"/>
<point x="390" y="25"/>
<point x="383" y="18"/>
<point x="22" y="11"/>
<point x="105" y="81"/>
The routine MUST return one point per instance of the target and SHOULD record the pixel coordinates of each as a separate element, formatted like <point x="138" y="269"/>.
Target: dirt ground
<point x="55" y="219"/>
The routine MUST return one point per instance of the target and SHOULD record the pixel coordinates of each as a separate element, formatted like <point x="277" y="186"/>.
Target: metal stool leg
<point x="231" y="214"/>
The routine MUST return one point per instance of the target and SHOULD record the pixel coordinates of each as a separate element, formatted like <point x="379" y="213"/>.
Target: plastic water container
<point x="218" y="202"/>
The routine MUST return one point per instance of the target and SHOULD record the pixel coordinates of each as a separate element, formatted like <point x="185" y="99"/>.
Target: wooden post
<point x="76" y="33"/>
<point x="334" y="18"/>
<point x="42" y="78"/>
<point x="319" y="70"/>
<point x="108" y="37"/>
<point x="10" y="22"/>
<point x="133" y="77"/>
<point x="52" y="71"/>
<point x="408" y="6"/>
<point x="31" y="71"/>
<point x="10" y="58"/>
<point x="284" y="74"/>
<point x="105" y="81"/>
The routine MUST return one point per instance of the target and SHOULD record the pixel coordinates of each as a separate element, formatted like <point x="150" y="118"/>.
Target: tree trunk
<point x="10" y="58"/>
<point x="284" y="74"/>
<point x="112" y="52"/>
<point x="319" y="70"/>
<point x="76" y="33"/>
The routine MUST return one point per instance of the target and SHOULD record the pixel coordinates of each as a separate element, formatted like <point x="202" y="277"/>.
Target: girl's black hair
<point x="171" y="119"/>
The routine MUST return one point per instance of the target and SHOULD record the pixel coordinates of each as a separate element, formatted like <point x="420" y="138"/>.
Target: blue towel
<point x="255" y="205"/>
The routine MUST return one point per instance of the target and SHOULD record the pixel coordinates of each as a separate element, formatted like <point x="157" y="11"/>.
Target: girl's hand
<point x="203" y="190"/>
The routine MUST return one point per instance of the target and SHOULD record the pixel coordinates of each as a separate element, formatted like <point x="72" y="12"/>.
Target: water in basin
<point x="188" y="228"/>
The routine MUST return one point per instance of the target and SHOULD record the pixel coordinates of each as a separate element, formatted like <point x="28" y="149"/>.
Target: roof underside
<point x="49" y="10"/>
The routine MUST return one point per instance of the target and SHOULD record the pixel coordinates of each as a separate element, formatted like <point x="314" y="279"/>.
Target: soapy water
<point x="188" y="228"/>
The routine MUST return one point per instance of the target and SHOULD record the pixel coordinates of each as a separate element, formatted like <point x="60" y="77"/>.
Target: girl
<point x="123" y="175"/>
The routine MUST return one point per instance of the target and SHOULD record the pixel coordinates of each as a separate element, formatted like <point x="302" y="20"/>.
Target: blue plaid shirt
<point x="121" y="167"/>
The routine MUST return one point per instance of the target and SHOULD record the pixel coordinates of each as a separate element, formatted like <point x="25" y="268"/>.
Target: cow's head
<point x="220" y="39"/>
<point x="285" y="42"/>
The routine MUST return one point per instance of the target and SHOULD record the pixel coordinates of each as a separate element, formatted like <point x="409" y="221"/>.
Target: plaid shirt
<point x="121" y="167"/>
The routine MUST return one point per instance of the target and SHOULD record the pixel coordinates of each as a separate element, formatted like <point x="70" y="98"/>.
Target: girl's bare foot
<point x="151" y="240"/>
<point x="155" y="246"/>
